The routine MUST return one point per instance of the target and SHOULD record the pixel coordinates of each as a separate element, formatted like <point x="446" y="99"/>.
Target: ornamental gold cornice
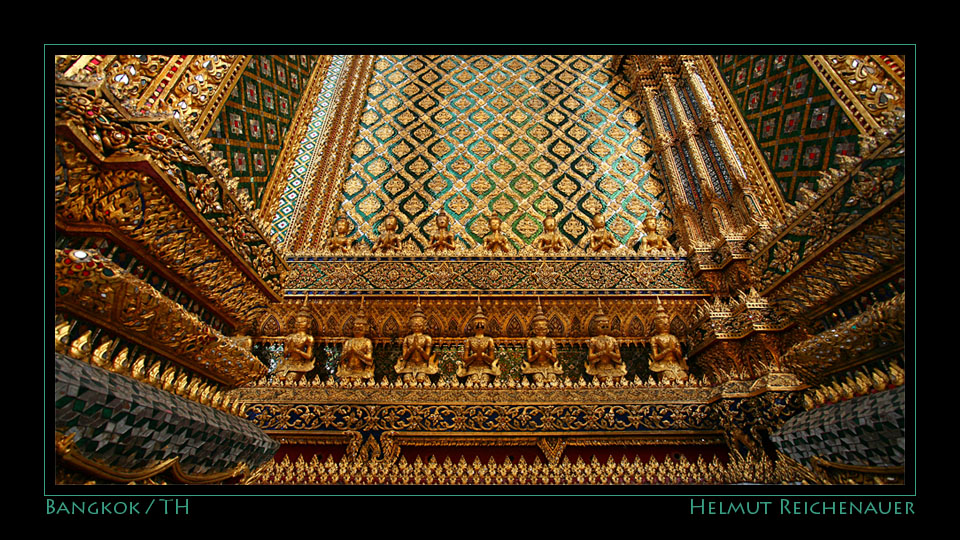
<point x="869" y="88"/>
<point x="91" y="287"/>
<point x="865" y="193"/>
<point x="452" y="419"/>
<point x="433" y="471"/>
<point x="878" y="329"/>
<point x="655" y="273"/>
<point x="141" y="180"/>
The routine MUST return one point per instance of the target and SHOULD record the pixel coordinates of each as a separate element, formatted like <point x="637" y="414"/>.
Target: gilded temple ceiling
<point x="518" y="137"/>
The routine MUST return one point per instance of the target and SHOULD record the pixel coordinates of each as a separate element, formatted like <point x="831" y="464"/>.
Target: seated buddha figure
<point x="541" y="363"/>
<point x="356" y="358"/>
<point x="600" y="238"/>
<point x="339" y="241"/>
<point x="297" y="351"/>
<point x="551" y="239"/>
<point x="603" y="355"/>
<point x="388" y="240"/>
<point x="666" y="358"/>
<point x="495" y="240"/>
<point x="478" y="364"/>
<point x="418" y="359"/>
<point x="443" y="238"/>
<point x="652" y="240"/>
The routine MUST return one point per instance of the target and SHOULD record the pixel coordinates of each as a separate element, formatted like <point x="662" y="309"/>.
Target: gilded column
<point x="685" y="204"/>
<point x="718" y="218"/>
<point x="743" y="203"/>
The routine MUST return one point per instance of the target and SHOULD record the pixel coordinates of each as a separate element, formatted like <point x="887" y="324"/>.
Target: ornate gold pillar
<point x="684" y="206"/>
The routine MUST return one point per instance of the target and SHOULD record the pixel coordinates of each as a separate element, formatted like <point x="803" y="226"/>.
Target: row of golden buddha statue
<point x="479" y="364"/>
<point x="550" y="240"/>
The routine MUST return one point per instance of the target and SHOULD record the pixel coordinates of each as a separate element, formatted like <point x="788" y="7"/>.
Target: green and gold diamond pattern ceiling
<point x="519" y="137"/>
<point x="248" y="132"/>
<point x="797" y="124"/>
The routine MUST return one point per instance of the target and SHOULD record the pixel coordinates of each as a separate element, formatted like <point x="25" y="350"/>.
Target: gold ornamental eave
<point x="585" y="438"/>
<point x="98" y="290"/>
<point x="67" y="451"/>
<point x="146" y="165"/>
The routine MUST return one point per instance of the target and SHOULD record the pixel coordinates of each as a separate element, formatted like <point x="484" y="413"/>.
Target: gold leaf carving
<point x="419" y="166"/>
<point x="413" y="206"/>
<point x="524" y="184"/>
<point x="500" y="132"/>
<point x="652" y="186"/>
<point x="561" y="149"/>
<point x="378" y="166"/>
<point x="574" y="227"/>
<point x="527" y="226"/>
<point x="422" y="132"/>
<point x="460" y="166"/>
<point x="353" y="185"/>
<point x="609" y="185"/>
<point x="547" y="206"/>
<point x="361" y="148"/>
<point x="481" y="184"/>
<point x="459" y="204"/>
<point x="502" y="206"/>
<point x="593" y="205"/>
<point x="390" y="103"/>
<point x="482" y="149"/>
<point x="384" y="132"/>
<point x="394" y="185"/>
<point x="567" y="186"/>
<point x="436" y="184"/>
<point x="369" y="205"/>
<point x="401" y="149"/>
<point x="600" y="150"/>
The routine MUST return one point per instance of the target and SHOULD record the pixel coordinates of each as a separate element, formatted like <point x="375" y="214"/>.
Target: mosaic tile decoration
<point x="122" y="423"/>
<point x="797" y="124"/>
<point x="309" y="152"/>
<point x="516" y="136"/>
<point x="867" y="430"/>
<point x="250" y="127"/>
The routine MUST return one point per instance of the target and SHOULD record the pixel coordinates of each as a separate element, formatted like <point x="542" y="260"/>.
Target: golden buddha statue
<point x="652" y="240"/>
<point x="603" y="356"/>
<point x="541" y="361"/>
<point x="388" y="240"/>
<point x="551" y="239"/>
<point x="443" y="238"/>
<point x="666" y="357"/>
<point x="478" y="364"/>
<point x="495" y="240"/>
<point x="600" y="238"/>
<point x="297" y="350"/>
<point x="339" y="241"/>
<point x="356" y="359"/>
<point x="418" y="359"/>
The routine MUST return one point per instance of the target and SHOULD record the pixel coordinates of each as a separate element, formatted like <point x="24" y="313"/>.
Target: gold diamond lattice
<point x="491" y="125"/>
